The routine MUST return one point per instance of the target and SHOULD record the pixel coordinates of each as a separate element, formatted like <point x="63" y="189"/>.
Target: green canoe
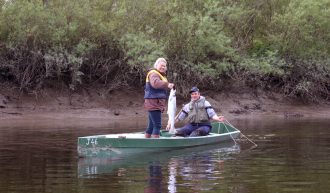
<point x="130" y="143"/>
<point x="89" y="167"/>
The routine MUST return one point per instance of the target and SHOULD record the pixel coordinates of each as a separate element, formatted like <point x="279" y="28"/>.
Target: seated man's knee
<point x="194" y="133"/>
<point x="180" y="132"/>
<point x="199" y="132"/>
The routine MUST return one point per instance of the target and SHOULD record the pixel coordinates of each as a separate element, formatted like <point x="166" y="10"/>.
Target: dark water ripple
<point x="292" y="156"/>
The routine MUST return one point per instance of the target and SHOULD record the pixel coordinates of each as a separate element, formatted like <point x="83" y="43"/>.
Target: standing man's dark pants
<point x="154" y="122"/>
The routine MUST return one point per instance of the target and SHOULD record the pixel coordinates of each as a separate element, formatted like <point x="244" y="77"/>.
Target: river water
<point x="292" y="156"/>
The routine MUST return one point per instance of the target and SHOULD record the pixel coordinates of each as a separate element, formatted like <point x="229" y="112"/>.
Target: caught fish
<point x="171" y="110"/>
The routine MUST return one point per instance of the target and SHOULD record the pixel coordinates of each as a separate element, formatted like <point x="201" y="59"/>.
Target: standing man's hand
<point x="170" y="85"/>
<point x="168" y="126"/>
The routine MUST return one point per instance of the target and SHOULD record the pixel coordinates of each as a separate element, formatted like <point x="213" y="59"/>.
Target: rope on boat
<point x="241" y="133"/>
<point x="227" y="131"/>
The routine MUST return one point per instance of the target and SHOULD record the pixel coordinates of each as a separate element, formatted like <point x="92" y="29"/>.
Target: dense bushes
<point x="276" y="45"/>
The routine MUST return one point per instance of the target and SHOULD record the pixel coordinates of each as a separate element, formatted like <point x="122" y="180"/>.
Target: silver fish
<point x="171" y="110"/>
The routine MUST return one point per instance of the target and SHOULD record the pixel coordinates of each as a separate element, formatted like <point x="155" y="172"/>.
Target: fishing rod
<point x="241" y="133"/>
<point x="219" y="125"/>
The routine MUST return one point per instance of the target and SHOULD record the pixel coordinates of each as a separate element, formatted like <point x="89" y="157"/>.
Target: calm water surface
<point x="292" y="156"/>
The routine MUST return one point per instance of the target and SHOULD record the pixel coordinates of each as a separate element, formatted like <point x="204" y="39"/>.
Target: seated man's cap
<point x="194" y="89"/>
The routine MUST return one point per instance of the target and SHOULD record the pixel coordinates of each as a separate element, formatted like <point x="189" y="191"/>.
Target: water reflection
<point x="154" y="184"/>
<point x="196" y="166"/>
<point x="173" y="172"/>
<point x="292" y="156"/>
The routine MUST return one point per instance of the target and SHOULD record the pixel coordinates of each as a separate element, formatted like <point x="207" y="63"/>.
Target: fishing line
<point x="241" y="133"/>
<point x="227" y="131"/>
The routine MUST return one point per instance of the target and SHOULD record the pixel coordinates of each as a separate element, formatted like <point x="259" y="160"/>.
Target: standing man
<point x="199" y="112"/>
<point x="155" y="94"/>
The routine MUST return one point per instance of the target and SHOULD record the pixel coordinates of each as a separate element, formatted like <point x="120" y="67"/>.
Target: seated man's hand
<point x="221" y="118"/>
<point x="218" y="118"/>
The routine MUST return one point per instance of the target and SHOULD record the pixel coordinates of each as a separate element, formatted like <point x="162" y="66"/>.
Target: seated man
<point x="199" y="112"/>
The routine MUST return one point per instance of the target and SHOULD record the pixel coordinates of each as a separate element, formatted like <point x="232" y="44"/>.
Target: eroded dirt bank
<point x="128" y="104"/>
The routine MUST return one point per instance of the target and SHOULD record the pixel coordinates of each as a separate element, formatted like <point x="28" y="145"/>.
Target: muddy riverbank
<point x="117" y="105"/>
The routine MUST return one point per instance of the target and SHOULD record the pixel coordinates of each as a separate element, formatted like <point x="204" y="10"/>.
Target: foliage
<point x="140" y="52"/>
<point x="303" y="29"/>
<point x="308" y="80"/>
<point x="270" y="63"/>
<point x="277" y="45"/>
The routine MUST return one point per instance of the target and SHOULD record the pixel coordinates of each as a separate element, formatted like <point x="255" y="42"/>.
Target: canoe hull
<point x="129" y="143"/>
<point x="88" y="167"/>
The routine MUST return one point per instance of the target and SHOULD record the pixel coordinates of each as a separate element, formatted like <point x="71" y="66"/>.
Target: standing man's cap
<point x="194" y="89"/>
